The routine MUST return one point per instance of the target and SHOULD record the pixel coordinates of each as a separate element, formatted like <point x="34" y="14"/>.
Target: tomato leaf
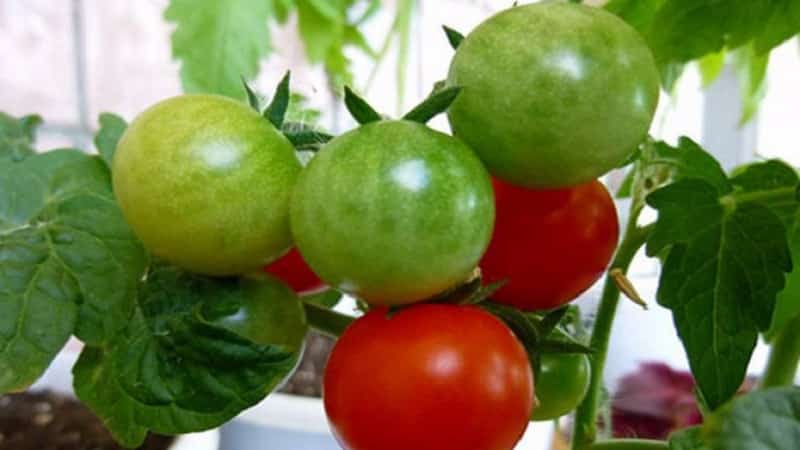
<point x="687" y="439"/>
<point x="710" y="67"/>
<point x="752" y="70"/>
<point x="777" y="176"/>
<point x="453" y="37"/>
<point x="361" y="111"/>
<point x="726" y="263"/>
<point x="435" y="104"/>
<point x="111" y="128"/>
<point x="157" y="375"/>
<point x="68" y="261"/>
<point x="762" y="420"/>
<point x="219" y="42"/>
<point x="276" y="111"/>
<point x="17" y="136"/>
<point x="688" y="161"/>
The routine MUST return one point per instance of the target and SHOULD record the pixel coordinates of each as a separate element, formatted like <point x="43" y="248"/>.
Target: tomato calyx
<point x="453" y="37"/>
<point x="303" y="136"/>
<point x="436" y="103"/>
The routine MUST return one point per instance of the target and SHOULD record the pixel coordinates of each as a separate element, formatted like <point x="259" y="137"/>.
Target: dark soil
<point x="307" y="380"/>
<point x="48" y="421"/>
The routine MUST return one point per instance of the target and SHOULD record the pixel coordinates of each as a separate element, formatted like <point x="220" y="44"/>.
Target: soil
<point x="48" y="421"/>
<point x="307" y="380"/>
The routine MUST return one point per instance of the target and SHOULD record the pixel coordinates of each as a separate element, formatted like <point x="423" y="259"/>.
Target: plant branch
<point x="784" y="356"/>
<point x="326" y="321"/>
<point x="585" y="431"/>
<point x="629" y="444"/>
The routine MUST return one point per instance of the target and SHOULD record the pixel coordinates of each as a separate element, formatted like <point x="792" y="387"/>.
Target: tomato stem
<point x="585" y="431"/>
<point x="326" y="321"/>
<point x="629" y="444"/>
<point x="784" y="356"/>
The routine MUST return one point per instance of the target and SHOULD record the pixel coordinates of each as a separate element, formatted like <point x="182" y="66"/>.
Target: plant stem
<point x="326" y="321"/>
<point x="784" y="356"/>
<point x="629" y="444"/>
<point x="585" y="431"/>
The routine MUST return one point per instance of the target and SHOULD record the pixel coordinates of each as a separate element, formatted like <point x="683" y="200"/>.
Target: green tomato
<point x="554" y="94"/>
<point x="205" y="183"/>
<point x="561" y="384"/>
<point x="393" y="212"/>
<point x="263" y="310"/>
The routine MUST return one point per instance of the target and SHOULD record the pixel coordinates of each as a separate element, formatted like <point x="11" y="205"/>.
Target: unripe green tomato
<point x="554" y="94"/>
<point x="205" y="182"/>
<point x="561" y="384"/>
<point x="393" y="212"/>
<point x="267" y="312"/>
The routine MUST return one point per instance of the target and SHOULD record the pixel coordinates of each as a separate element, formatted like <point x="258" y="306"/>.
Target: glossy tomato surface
<point x="205" y="182"/>
<point x="554" y="94"/>
<point x="393" y="212"/>
<point x="549" y="245"/>
<point x="429" y="377"/>
<point x="293" y="270"/>
<point x="561" y="384"/>
<point x="262" y="309"/>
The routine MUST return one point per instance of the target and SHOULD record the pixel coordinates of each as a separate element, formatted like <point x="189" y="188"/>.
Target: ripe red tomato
<point x="550" y="245"/>
<point x="293" y="270"/>
<point x="429" y="377"/>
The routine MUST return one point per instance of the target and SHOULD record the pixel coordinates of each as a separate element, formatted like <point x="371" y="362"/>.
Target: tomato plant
<point x="292" y="269"/>
<point x="549" y="245"/>
<point x="393" y="212"/>
<point x="555" y="94"/>
<point x="228" y="175"/>
<point x="561" y="383"/>
<point x="418" y="379"/>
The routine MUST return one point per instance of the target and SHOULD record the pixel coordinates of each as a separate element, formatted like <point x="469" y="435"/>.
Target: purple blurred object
<point x="653" y="402"/>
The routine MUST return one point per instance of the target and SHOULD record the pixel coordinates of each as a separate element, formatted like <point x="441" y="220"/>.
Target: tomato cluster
<point x="553" y="95"/>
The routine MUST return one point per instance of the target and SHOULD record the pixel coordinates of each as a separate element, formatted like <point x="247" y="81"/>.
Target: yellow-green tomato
<point x="561" y="384"/>
<point x="205" y="183"/>
<point x="393" y="212"/>
<point x="554" y="94"/>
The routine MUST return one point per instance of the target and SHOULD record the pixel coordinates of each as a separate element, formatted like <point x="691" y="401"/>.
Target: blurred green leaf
<point x="111" y="128"/>
<point x="219" y="42"/>
<point x="710" y="67"/>
<point x="751" y="67"/>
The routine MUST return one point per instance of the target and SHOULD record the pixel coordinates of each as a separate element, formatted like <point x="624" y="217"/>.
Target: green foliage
<point x="687" y="439"/>
<point x="17" y="136"/>
<point x="68" y="261"/>
<point x="681" y="31"/>
<point x="111" y="128"/>
<point x="327" y="32"/>
<point x="157" y="375"/>
<point x="219" y="42"/>
<point x="726" y="257"/>
<point x="762" y="420"/>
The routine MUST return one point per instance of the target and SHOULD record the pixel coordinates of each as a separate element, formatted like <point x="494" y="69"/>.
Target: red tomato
<point x="429" y="377"/>
<point x="551" y="245"/>
<point x="292" y="269"/>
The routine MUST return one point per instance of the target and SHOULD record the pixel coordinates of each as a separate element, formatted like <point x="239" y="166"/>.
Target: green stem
<point x="788" y="193"/>
<point x="784" y="356"/>
<point x="326" y="321"/>
<point x="629" y="444"/>
<point x="585" y="431"/>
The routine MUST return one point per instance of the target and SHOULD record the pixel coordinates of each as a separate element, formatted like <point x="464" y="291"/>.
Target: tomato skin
<point x="393" y="212"/>
<point x="428" y="377"/>
<point x="554" y="94"/>
<point x="293" y="270"/>
<point x="550" y="245"/>
<point x="561" y="384"/>
<point x="205" y="183"/>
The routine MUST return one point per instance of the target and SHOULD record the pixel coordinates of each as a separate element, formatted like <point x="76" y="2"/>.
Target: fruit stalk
<point x="629" y="444"/>
<point x="784" y="356"/>
<point x="326" y="321"/>
<point x="585" y="431"/>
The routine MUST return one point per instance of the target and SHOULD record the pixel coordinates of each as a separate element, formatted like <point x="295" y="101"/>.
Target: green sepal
<point x="435" y="104"/>
<point x="361" y="111"/>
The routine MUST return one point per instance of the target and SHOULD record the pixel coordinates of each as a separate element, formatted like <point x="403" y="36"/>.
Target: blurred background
<point x="70" y="60"/>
